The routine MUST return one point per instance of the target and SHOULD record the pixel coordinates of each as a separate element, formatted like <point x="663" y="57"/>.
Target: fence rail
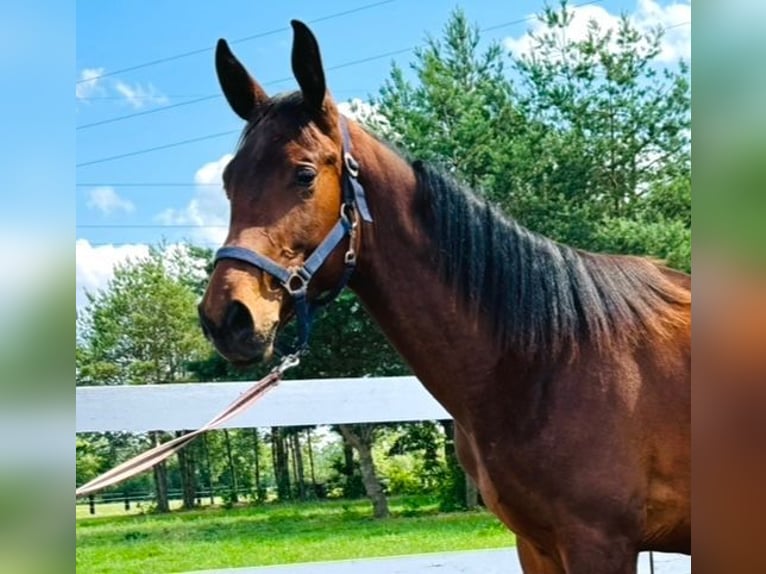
<point x="134" y="500"/>
<point x="142" y="408"/>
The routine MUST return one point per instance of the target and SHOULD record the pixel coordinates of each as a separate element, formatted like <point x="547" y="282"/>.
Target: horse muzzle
<point x="235" y="338"/>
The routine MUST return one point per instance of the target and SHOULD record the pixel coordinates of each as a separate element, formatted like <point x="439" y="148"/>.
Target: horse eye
<point x="304" y="176"/>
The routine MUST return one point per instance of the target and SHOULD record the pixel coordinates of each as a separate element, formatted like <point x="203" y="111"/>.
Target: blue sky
<point x="114" y="220"/>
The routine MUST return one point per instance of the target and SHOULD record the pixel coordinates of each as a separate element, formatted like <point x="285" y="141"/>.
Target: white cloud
<point x="139" y="96"/>
<point x="94" y="265"/>
<point x="89" y="83"/>
<point x="676" y="19"/>
<point x="107" y="201"/>
<point x="673" y="17"/>
<point x="208" y="209"/>
<point x="212" y="172"/>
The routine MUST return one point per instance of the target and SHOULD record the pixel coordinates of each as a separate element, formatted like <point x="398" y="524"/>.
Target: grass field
<point x="276" y="534"/>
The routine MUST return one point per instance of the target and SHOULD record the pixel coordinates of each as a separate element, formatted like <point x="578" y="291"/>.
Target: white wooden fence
<point x="141" y="408"/>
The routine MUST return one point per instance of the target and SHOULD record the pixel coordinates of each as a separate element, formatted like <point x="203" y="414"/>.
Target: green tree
<point x="609" y="140"/>
<point x="345" y="342"/>
<point x="142" y="329"/>
<point x="90" y="458"/>
<point x="586" y="141"/>
<point x="361" y="437"/>
<point x="423" y="440"/>
<point x="461" y="111"/>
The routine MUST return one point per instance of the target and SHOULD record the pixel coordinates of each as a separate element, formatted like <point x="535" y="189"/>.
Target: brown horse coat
<point x="567" y="372"/>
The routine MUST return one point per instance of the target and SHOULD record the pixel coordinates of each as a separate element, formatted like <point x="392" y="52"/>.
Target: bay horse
<point x="567" y="373"/>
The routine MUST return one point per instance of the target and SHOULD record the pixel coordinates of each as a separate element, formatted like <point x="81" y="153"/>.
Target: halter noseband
<point x="296" y="280"/>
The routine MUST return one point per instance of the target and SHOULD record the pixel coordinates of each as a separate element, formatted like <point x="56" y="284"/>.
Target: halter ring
<point x="296" y="284"/>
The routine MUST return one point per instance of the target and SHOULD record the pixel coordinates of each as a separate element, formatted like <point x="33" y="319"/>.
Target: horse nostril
<point x="238" y="321"/>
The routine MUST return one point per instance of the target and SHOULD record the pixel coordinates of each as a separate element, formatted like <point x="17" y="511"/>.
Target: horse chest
<point x="507" y="484"/>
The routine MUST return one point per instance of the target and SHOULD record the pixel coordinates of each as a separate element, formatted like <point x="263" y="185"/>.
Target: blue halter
<point x="296" y="280"/>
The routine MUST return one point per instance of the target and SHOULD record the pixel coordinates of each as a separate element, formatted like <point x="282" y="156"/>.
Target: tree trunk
<point x="160" y="472"/>
<point x="291" y="458"/>
<point x="471" y="493"/>
<point x="455" y="496"/>
<point x="298" y="463"/>
<point x="311" y="461"/>
<point x="257" y="466"/>
<point x="186" y="468"/>
<point x="360" y="437"/>
<point x="232" y="470"/>
<point x="348" y="460"/>
<point x="209" y="469"/>
<point x="281" y="470"/>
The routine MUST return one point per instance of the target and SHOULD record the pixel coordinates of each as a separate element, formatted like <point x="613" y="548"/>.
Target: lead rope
<point x="148" y="459"/>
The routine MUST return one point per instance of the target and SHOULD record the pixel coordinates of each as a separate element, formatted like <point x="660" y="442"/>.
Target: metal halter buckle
<point x="349" y="214"/>
<point x="351" y="164"/>
<point x="296" y="284"/>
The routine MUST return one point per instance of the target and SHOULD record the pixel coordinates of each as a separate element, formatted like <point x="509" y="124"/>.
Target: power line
<point x="147" y="184"/>
<point x="237" y="41"/>
<point x="174" y="144"/>
<point x="220" y="95"/>
<point x="531" y="17"/>
<point x="147" y="112"/>
<point x="138" y="97"/>
<point x="184" y="142"/>
<point x="336" y="67"/>
<point x="149" y="226"/>
<point x="150" y="97"/>
<point x="271" y="82"/>
<point x="193" y="242"/>
<point x="665" y="28"/>
<point x="156" y="148"/>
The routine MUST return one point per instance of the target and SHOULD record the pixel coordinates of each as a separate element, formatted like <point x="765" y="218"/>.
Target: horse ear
<point x="307" y="66"/>
<point x="242" y="92"/>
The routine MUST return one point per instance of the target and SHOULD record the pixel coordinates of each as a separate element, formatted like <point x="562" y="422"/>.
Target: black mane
<point x="541" y="297"/>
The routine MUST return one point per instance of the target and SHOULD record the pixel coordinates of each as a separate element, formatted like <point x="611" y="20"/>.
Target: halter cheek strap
<point x="296" y="280"/>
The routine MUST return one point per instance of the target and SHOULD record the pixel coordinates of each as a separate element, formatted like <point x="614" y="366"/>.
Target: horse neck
<point x="399" y="282"/>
